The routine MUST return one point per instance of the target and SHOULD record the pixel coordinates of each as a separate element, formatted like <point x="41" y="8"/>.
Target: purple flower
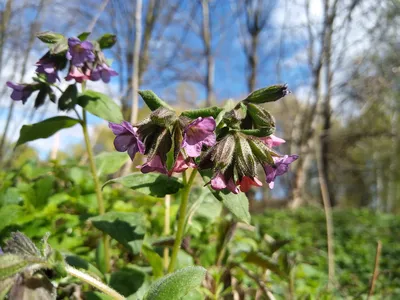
<point x="104" y="72"/>
<point x="219" y="182"/>
<point x="79" y="52"/>
<point x="20" y="91"/>
<point x="47" y="66"/>
<point x="281" y="167"/>
<point x="247" y="182"/>
<point x="198" y="133"/>
<point x="154" y="165"/>
<point x="78" y="74"/>
<point x="126" y="139"/>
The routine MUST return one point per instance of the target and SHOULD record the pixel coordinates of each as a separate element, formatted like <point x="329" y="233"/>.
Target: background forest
<point x="340" y="59"/>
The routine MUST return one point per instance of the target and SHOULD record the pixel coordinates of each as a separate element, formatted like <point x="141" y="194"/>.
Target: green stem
<point x="93" y="282"/>
<point x="97" y="187"/>
<point x="181" y="220"/>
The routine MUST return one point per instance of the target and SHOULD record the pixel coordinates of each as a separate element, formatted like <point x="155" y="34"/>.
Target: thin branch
<point x="375" y="273"/>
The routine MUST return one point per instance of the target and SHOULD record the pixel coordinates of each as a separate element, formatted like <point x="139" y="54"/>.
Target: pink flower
<point x="247" y="182"/>
<point x="78" y="74"/>
<point x="272" y="141"/>
<point x="182" y="164"/>
<point x="154" y="165"/>
<point x="219" y="182"/>
<point x="198" y="133"/>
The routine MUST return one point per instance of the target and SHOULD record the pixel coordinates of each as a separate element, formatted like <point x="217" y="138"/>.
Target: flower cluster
<point x="243" y="141"/>
<point x="171" y="143"/>
<point x="86" y="62"/>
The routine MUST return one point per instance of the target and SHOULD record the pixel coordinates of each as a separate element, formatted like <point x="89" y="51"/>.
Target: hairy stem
<point x="99" y="195"/>
<point x="181" y="220"/>
<point x="93" y="282"/>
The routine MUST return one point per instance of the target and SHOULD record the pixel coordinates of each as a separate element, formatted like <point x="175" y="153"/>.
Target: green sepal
<point x="263" y="132"/>
<point x="212" y="111"/>
<point x="50" y="37"/>
<point x="260" y="116"/>
<point x="83" y="36"/>
<point x="152" y="100"/>
<point x="268" y="94"/>
<point x="107" y="40"/>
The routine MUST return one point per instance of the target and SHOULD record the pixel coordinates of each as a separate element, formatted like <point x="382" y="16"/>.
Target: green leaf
<point x="268" y="94"/>
<point x="154" y="260"/>
<point x="97" y="296"/>
<point x="107" y="40"/>
<point x="156" y="185"/>
<point x="110" y="162"/>
<point x="126" y="228"/>
<point x="69" y="98"/>
<point x="100" y="105"/>
<point x="152" y="100"/>
<point x="41" y="97"/>
<point x="212" y="111"/>
<point x="237" y="204"/>
<point x="176" y="285"/>
<point x="44" y="129"/>
<point x="9" y="215"/>
<point x="80" y="263"/>
<point x="11" y="264"/>
<point x="50" y="37"/>
<point x="265" y="262"/>
<point x="258" y="132"/>
<point x="127" y="280"/>
<point x="100" y="257"/>
<point x="84" y="35"/>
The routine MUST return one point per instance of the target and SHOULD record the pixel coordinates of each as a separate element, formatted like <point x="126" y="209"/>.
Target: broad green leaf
<point x="11" y="264"/>
<point x="110" y="162"/>
<point x="43" y="190"/>
<point x="44" y="129"/>
<point x="80" y="263"/>
<point x="154" y="260"/>
<point x="237" y="204"/>
<point x="97" y="296"/>
<point x="152" y="100"/>
<point x="127" y="280"/>
<point x="9" y="214"/>
<point x="50" y="37"/>
<point x="69" y="98"/>
<point x="84" y="35"/>
<point x="265" y="262"/>
<point x="107" y="40"/>
<point x="156" y="185"/>
<point x="126" y="228"/>
<point x="176" y="285"/>
<point x="10" y="196"/>
<point x="100" y="105"/>
<point x="213" y="111"/>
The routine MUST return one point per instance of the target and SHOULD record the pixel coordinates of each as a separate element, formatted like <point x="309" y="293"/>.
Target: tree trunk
<point x="209" y="79"/>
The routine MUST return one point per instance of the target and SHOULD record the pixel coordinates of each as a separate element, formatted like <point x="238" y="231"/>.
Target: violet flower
<point x="247" y="182"/>
<point x="20" y="91"/>
<point x="104" y="72"/>
<point x="79" y="52"/>
<point x="272" y="141"/>
<point x="49" y="69"/>
<point x="126" y="138"/>
<point x="198" y="133"/>
<point x="280" y="168"/>
<point x="153" y="165"/>
<point x="219" y="182"/>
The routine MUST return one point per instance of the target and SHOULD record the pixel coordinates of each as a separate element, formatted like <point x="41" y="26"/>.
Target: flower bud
<point x="260" y="116"/>
<point x="244" y="158"/>
<point x="268" y="94"/>
<point x="163" y="117"/>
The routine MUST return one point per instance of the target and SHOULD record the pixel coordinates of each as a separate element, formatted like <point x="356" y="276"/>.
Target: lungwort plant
<point x="225" y="147"/>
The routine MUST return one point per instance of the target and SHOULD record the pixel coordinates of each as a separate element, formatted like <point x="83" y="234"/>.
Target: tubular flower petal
<point x="281" y="167"/>
<point x="79" y="52"/>
<point x="126" y="139"/>
<point x="198" y="133"/>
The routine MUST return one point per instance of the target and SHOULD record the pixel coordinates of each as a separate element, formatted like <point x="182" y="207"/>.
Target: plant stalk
<point x="181" y="220"/>
<point x="93" y="282"/>
<point x="99" y="196"/>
